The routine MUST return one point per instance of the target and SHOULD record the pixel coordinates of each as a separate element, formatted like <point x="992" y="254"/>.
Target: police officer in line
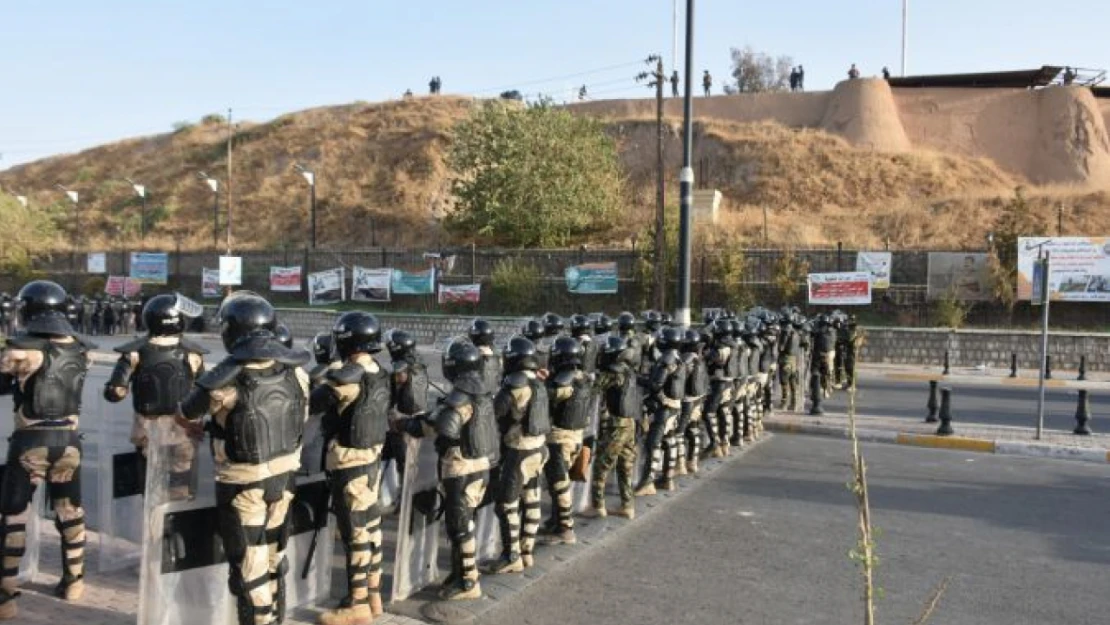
<point x="667" y="385"/>
<point x="697" y="387"/>
<point x="569" y="389"/>
<point x="791" y="355"/>
<point x="753" y="395"/>
<point x="523" y="418"/>
<point x="603" y="327"/>
<point x="722" y="363"/>
<point x="553" y="327"/>
<point x="324" y="357"/>
<point x="466" y="441"/>
<point x="408" y="396"/>
<point x="824" y="352"/>
<point x="354" y="401"/>
<point x="626" y="328"/>
<point x="482" y="335"/>
<point x="258" y="400"/>
<point x="583" y="330"/>
<point x="44" y="368"/>
<point x="159" y="369"/>
<point x="533" y="331"/>
<point x="621" y="406"/>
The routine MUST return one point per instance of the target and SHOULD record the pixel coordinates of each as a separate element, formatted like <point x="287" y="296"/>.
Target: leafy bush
<point x="182" y="126"/>
<point x="515" y="286"/>
<point x="213" y="118"/>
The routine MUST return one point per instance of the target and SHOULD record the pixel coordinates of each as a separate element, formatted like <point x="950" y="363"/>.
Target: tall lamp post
<point x="310" y="178"/>
<point x="215" y="186"/>
<point x="686" y="178"/>
<point x="73" y="197"/>
<point x="140" y="190"/>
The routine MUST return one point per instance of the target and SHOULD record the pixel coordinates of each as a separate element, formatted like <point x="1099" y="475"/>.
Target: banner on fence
<point x="150" y="267"/>
<point x="592" y="278"/>
<point x="97" y="263"/>
<point x="961" y="275"/>
<point x="371" y="285"/>
<point x="849" y="288"/>
<point x="878" y="265"/>
<point x="444" y="264"/>
<point x="285" y="279"/>
<point x="231" y="270"/>
<point x="460" y="294"/>
<point x="326" y="287"/>
<point x="414" y="282"/>
<point x="1078" y="268"/>
<point x="210" y="283"/>
<point x="122" y="286"/>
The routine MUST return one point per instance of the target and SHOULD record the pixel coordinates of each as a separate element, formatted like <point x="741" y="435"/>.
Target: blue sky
<point x="77" y="73"/>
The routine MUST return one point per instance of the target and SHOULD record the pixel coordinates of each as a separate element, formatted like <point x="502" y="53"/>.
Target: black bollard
<point x="1013" y="364"/>
<point x="815" y="394"/>
<point x="1082" y="415"/>
<point x="932" y="405"/>
<point x="1048" y="367"/>
<point x="1082" y="369"/>
<point x="946" y="363"/>
<point x="945" y="428"/>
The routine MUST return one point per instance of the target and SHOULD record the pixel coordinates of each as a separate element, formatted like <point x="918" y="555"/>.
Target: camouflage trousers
<point x="788" y="380"/>
<point x="616" y="450"/>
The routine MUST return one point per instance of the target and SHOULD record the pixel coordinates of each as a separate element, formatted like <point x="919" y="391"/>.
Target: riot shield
<point x="36" y="520"/>
<point x="119" y="489"/>
<point x="184" y="572"/>
<point x="581" y="490"/>
<point x="416" y="563"/>
<point x="487" y="530"/>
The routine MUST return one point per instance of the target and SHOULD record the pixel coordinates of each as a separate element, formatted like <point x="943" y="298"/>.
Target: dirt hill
<point x="860" y="165"/>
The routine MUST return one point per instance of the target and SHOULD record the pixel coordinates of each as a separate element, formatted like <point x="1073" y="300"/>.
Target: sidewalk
<point x="1014" y="441"/>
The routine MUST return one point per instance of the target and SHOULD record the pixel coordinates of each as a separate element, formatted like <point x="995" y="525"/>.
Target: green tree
<point x="1017" y="219"/>
<point x="757" y="72"/>
<point x="515" y="285"/>
<point x="26" y="234"/>
<point x="535" y="176"/>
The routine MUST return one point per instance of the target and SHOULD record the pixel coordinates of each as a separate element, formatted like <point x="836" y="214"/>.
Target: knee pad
<point x="16" y="491"/>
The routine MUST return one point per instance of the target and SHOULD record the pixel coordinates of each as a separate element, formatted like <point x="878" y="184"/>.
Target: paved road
<point x="1022" y="541"/>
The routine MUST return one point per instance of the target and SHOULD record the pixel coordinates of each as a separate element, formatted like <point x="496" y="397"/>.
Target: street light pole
<point x="140" y="190"/>
<point x="310" y="177"/>
<point x="686" y="178"/>
<point x="73" y="197"/>
<point x="215" y="186"/>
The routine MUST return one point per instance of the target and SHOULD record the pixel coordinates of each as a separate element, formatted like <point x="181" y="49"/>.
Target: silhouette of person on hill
<point x="853" y="73"/>
<point x="886" y="74"/>
<point x="793" y="78"/>
<point x="674" y="84"/>
<point x="707" y="83"/>
<point x="801" y="78"/>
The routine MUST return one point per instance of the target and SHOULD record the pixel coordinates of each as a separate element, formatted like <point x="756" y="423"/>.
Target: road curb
<point x="983" y="380"/>
<point x="960" y="443"/>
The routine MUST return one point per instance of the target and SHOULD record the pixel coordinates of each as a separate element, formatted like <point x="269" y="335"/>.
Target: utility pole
<point x="905" y="32"/>
<point x="230" y="133"/>
<point x="686" y="178"/>
<point x="659" y="276"/>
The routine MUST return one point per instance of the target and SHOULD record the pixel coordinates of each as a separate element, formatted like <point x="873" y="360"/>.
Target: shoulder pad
<point x="516" y="380"/>
<point x="349" y="373"/>
<point x="669" y="357"/>
<point x="131" y="346"/>
<point x="564" y="378"/>
<point x="220" y="376"/>
<point x="27" y="341"/>
<point x="192" y="346"/>
<point x="86" y="343"/>
<point x="456" y="400"/>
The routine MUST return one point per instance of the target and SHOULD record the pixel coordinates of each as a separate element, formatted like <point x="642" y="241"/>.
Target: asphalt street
<point x="766" y="541"/>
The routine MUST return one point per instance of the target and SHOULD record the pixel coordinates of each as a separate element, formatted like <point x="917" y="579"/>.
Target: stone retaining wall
<point x="970" y="348"/>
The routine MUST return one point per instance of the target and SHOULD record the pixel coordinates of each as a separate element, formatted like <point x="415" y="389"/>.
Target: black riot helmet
<point x="603" y="324"/>
<point x="666" y="319"/>
<point x="520" y="355"/>
<point x="652" y="320"/>
<point x="580" y="326"/>
<point x="161" y="316"/>
<point x="243" y="313"/>
<point x="616" y="354"/>
<point x="401" y="344"/>
<point x="669" y="338"/>
<point x="357" y="332"/>
<point x="43" y="308"/>
<point x="722" y="328"/>
<point x="532" y="329"/>
<point x="481" y="333"/>
<point x="691" y="341"/>
<point x="566" y="353"/>
<point x="552" y="324"/>
<point x="323" y="348"/>
<point x="283" y="335"/>
<point x="626" y="322"/>
<point x="461" y="357"/>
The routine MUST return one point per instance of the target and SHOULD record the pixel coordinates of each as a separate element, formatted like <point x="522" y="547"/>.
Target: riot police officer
<point x="622" y="405"/>
<point x="667" y="384"/>
<point x="258" y="399"/>
<point x="626" y="328"/>
<point x="160" y="369"/>
<point x="690" y="420"/>
<point x="791" y="353"/>
<point x="569" y="390"/>
<point x="603" y="325"/>
<point x="824" y="352"/>
<point x="408" y="395"/>
<point x="45" y="369"/>
<point x="583" y="330"/>
<point x="722" y="363"/>
<point x="466" y="441"/>
<point x="482" y="335"/>
<point x="553" y="327"/>
<point x="533" y="331"/>
<point x="653" y="321"/>
<point x="322" y="347"/>
<point x="523" y="418"/>
<point x="354" y="401"/>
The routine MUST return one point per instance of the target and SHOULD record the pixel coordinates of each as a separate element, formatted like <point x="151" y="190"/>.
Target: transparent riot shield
<point x="36" y="520"/>
<point x="416" y="563"/>
<point x="487" y="530"/>
<point x="390" y="485"/>
<point x="581" y="490"/>
<point x="120" y="486"/>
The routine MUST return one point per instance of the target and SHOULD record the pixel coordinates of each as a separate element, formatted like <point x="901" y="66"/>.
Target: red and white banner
<point x="460" y="293"/>
<point x="840" y="289"/>
<point x="285" y="279"/>
<point x="122" y="286"/>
